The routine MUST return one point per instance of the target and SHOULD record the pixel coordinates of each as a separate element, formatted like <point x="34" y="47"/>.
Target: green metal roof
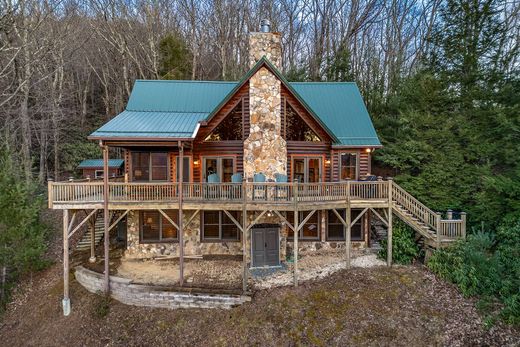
<point x="95" y="163"/>
<point x="172" y="109"/>
<point x="340" y="106"/>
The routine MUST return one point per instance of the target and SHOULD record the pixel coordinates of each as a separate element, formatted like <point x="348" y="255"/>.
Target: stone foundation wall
<point x="192" y="241"/>
<point x="194" y="246"/>
<point x="125" y="291"/>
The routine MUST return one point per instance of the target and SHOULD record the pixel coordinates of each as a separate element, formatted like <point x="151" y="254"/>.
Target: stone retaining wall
<point x="128" y="293"/>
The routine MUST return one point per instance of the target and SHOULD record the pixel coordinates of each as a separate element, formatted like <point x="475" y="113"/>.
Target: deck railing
<point x="268" y="192"/>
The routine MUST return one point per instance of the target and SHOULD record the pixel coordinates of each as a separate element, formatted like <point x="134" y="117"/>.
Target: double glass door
<point x="223" y="167"/>
<point x="307" y="169"/>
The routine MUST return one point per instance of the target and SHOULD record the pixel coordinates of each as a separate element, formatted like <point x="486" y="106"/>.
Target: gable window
<point x="217" y="226"/>
<point x="336" y="230"/>
<point x="223" y="167"/>
<point x="306" y="169"/>
<point x="311" y="229"/>
<point x="348" y="166"/>
<point x="156" y="228"/>
<point x="295" y="128"/>
<point x="149" y="166"/>
<point x="229" y="129"/>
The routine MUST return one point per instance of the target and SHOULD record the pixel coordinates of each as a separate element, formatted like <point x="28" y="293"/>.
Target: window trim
<point x="361" y="221"/>
<point x="96" y="173"/>
<point x="219" y="239"/>
<point x="219" y="164"/>
<point x="190" y="158"/>
<point x="356" y="167"/>
<point x="132" y="178"/>
<point x="141" y="223"/>
<point x="306" y="157"/>
<point x="301" y="238"/>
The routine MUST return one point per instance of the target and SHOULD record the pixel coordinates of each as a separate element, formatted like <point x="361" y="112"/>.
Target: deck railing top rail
<point x="265" y="192"/>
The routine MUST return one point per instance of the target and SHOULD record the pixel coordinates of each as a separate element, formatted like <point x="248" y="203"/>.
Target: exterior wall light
<point x="368" y="150"/>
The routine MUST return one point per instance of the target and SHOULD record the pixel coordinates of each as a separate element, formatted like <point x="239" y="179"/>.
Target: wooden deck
<point x="259" y="197"/>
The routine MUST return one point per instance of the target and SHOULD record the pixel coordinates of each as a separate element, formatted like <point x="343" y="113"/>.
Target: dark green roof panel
<point x="95" y="163"/>
<point x="178" y="96"/>
<point x="172" y="109"/>
<point x="340" y="106"/>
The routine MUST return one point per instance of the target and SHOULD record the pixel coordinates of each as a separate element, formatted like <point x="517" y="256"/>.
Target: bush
<point x="486" y="265"/>
<point x="404" y="248"/>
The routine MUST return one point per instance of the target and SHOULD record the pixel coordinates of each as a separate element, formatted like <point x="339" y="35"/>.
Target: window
<point x="348" y="166"/>
<point x="186" y="168"/>
<point x="295" y="128"/>
<point x="336" y="230"/>
<point x="224" y="167"/>
<point x="98" y="174"/>
<point x="311" y="229"/>
<point x="149" y="166"/>
<point x="230" y="128"/>
<point x="216" y="226"/>
<point x="306" y="169"/>
<point x="156" y="228"/>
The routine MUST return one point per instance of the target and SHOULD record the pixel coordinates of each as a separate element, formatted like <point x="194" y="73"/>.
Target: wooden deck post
<point x="245" y="273"/>
<point x="390" y="223"/>
<point x="92" y="225"/>
<point x="348" y="243"/>
<point x="296" y="231"/>
<point x="438" y="218"/>
<point x="181" y="229"/>
<point x="66" y="299"/>
<point x="348" y="228"/>
<point x="463" y="227"/>
<point x="106" y="219"/>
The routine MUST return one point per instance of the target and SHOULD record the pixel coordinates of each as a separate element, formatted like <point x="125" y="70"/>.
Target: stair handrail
<point x="400" y="192"/>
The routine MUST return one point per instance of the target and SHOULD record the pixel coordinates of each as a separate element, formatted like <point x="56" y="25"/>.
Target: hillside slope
<point x="377" y="306"/>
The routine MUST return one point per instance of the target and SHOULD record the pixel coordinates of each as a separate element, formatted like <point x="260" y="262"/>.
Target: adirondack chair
<point x="281" y="192"/>
<point x="236" y="189"/>
<point x="259" y="191"/>
<point x="212" y="190"/>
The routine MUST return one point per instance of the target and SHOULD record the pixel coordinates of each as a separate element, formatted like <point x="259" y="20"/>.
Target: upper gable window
<point x="230" y="128"/>
<point x="296" y="129"/>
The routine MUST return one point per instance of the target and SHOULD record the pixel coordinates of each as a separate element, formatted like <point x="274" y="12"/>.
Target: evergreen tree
<point x="175" y="58"/>
<point x="22" y="237"/>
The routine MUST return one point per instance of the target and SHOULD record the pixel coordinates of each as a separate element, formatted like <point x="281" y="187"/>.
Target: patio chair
<point x="259" y="191"/>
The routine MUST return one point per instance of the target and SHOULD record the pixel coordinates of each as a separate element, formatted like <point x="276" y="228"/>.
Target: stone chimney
<point x="265" y="151"/>
<point x="265" y="43"/>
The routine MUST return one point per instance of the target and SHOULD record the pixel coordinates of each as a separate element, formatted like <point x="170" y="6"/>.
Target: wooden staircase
<point x="437" y="232"/>
<point x="84" y="243"/>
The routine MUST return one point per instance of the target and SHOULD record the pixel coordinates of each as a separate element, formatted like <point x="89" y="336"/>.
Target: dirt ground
<point x="378" y="306"/>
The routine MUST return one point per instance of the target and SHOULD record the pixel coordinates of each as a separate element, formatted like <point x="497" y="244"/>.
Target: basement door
<point x="265" y="247"/>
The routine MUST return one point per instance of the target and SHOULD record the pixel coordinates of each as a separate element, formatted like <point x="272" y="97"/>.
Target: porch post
<point x="92" y="225"/>
<point x="181" y="230"/>
<point x="106" y="219"/>
<point x="389" y="236"/>
<point x="66" y="299"/>
<point x="244" y="237"/>
<point x="347" y="234"/>
<point x="296" y="231"/>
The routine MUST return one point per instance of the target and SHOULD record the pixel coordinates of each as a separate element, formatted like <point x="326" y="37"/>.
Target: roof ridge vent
<point x="265" y="26"/>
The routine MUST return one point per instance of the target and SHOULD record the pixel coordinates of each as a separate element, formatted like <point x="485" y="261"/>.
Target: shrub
<point x="486" y="265"/>
<point x="404" y="248"/>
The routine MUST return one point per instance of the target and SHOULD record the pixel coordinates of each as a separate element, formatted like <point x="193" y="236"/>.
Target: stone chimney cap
<point x="265" y="26"/>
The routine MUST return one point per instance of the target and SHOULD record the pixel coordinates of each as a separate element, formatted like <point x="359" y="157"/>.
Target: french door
<point x="307" y="169"/>
<point x="224" y="167"/>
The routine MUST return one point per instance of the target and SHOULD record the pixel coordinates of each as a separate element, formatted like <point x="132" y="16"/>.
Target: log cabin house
<point x="263" y="168"/>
